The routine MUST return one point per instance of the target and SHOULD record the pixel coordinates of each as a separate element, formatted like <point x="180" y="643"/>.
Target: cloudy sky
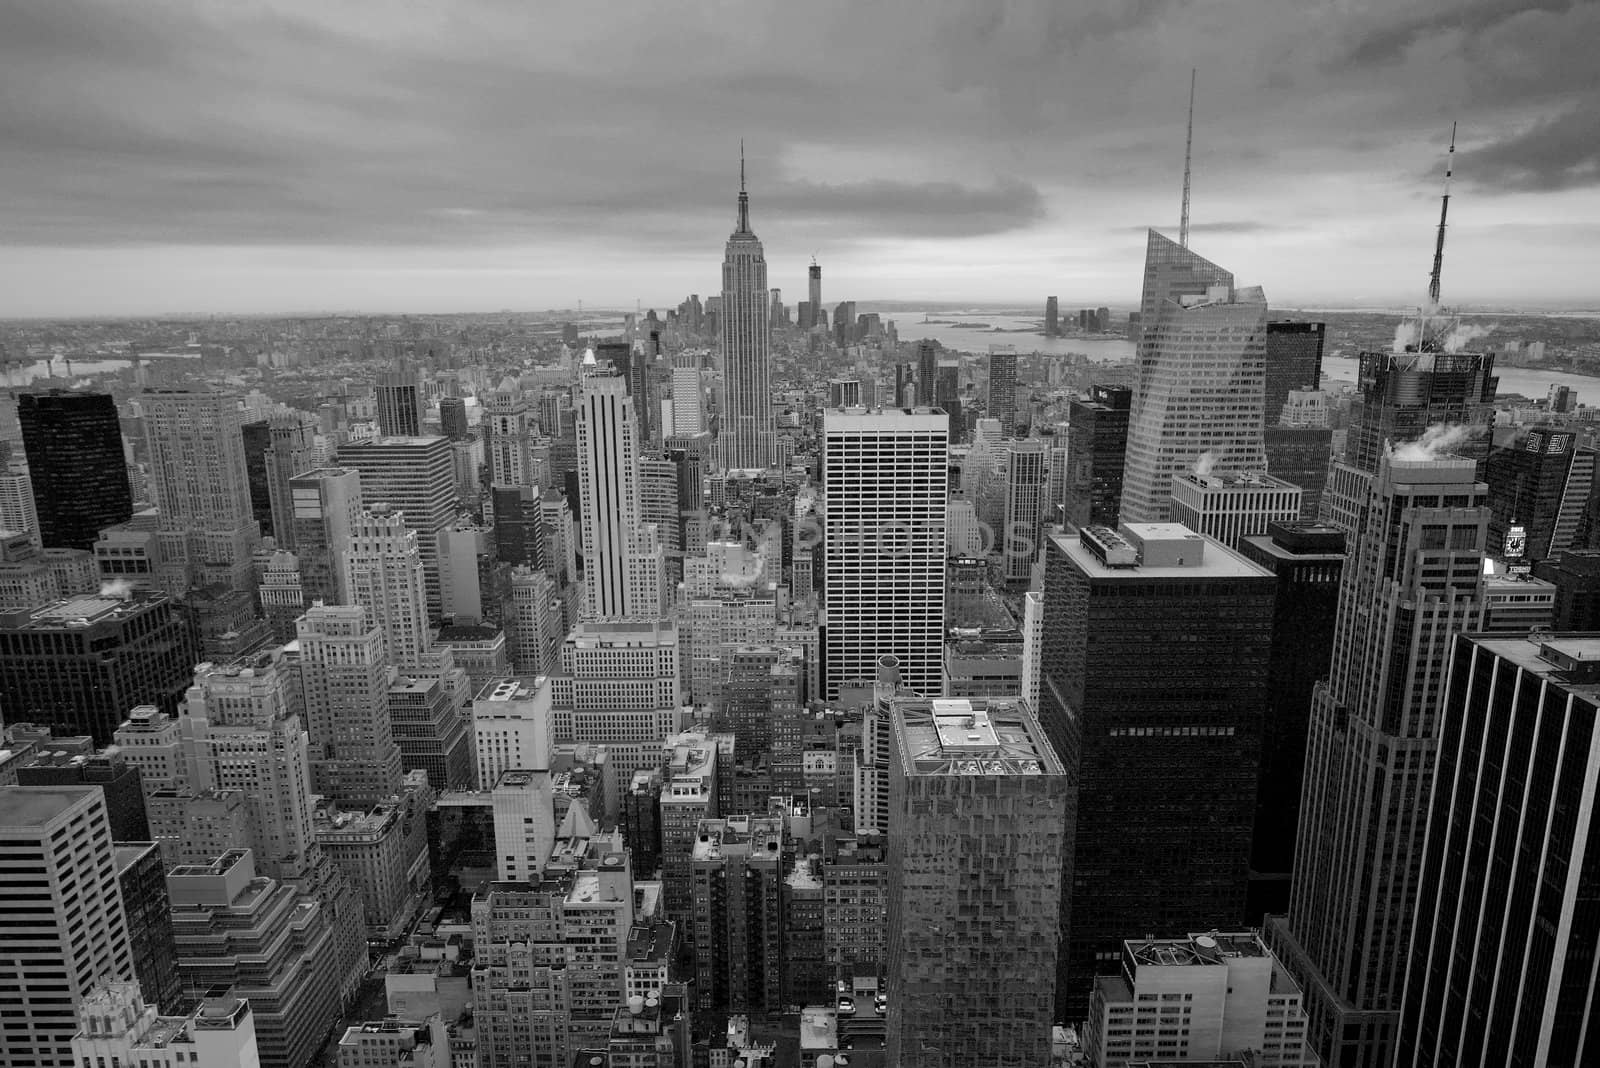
<point x="415" y="155"/>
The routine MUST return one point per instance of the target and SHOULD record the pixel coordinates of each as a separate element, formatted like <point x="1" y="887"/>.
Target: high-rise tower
<point x="1200" y="380"/>
<point x="623" y="562"/>
<point x="345" y="681"/>
<point x="815" y="276"/>
<point x="885" y="475"/>
<point x="1412" y="583"/>
<point x="197" y="472"/>
<point x="747" y="440"/>
<point x="80" y="481"/>
<point x="384" y="573"/>
<point x="400" y="401"/>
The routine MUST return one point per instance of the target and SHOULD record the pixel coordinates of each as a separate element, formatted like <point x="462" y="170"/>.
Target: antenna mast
<point x="1444" y="211"/>
<point x="1188" y="149"/>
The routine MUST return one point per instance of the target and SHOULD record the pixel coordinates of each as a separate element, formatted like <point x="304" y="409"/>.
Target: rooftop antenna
<point x="1188" y="149"/>
<point x="1444" y="211"/>
<point x="744" y="198"/>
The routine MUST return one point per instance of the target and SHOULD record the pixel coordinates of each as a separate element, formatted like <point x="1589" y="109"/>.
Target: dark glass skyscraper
<point x="1003" y="390"/>
<point x="1502" y="962"/>
<point x="1294" y="361"/>
<point x="1097" y="449"/>
<point x="80" y="480"/>
<point x="1153" y="688"/>
<point x="1307" y="560"/>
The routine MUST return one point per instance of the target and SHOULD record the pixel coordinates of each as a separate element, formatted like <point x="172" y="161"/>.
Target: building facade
<point x="73" y="442"/>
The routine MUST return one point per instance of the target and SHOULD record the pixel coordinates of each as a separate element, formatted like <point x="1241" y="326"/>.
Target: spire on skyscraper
<point x="1188" y="150"/>
<point x="744" y="197"/>
<point x="1444" y="211"/>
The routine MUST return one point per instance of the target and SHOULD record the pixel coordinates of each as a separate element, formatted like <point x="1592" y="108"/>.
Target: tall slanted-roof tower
<point x="746" y="438"/>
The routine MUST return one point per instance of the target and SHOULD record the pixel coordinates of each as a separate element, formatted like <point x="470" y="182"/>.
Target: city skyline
<point x="286" y="158"/>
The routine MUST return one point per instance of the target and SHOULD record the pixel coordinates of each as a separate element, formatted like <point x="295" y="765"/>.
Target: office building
<point x="1003" y="388"/>
<point x="385" y="574"/>
<point x="1231" y="507"/>
<point x="116" y="1025"/>
<point x="415" y="476"/>
<point x="618" y="682"/>
<point x="383" y="851"/>
<point x="885" y="476"/>
<point x="65" y="927"/>
<point x="623" y="560"/>
<point x="411" y="1043"/>
<point x="282" y="595"/>
<point x="519" y="525"/>
<point x="1308" y="560"/>
<point x="978" y="818"/>
<point x="1199" y="381"/>
<point x="17" y="512"/>
<point x="453" y="418"/>
<point x="59" y="761"/>
<point x="428" y="709"/>
<point x="1052" y="317"/>
<point x="400" y="401"/>
<point x="511" y="431"/>
<point x="1202" y="998"/>
<point x="1299" y="455"/>
<point x="1097" y="450"/>
<point x="1502" y="958"/>
<point x="1431" y="398"/>
<point x="78" y="665"/>
<point x="1294" y="361"/>
<point x="1412" y="583"/>
<point x="1541" y="482"/>
<point x="291" y="450"/>
<point x="1575" y="574"/>
<point x="1115" y="603"/>
<point x="534" y="628"/>
<point x="324" y="505"/>
<point x="738" y="914"/>
<point x="344" y="681"/>
<point x="73" y="442"/>
<point x="142" y="880"/>
<point x="747" y="439"/>
<point x="688" y="405"/>
<point x="275" y="946"/>
<point x="242" y="731"/>
<point x="1026" y="463"/>
<point x="511" y="725"/>
<point x="208" y="530"/>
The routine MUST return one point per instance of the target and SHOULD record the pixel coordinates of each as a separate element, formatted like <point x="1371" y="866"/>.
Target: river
<point x="910" y="327"/>
<point x="24" y="373"/>
<point x="1531" y="382"/>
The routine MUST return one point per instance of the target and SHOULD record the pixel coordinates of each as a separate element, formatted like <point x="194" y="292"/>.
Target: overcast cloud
<point x="260" y="156"/>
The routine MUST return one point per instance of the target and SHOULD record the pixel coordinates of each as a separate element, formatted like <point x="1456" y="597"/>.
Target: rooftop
<point x="1219" y="561"/>
<point x="971" y="736"/>
<point x="1198" y="950"/>
<point x="28" y="808"/>
<point x="513" y="688"/>
<point x="70" y="612"/>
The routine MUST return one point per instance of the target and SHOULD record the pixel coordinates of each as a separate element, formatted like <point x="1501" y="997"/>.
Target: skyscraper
<point x="1200" y="378"/>
<point x="1540" y="483"/>
<point x="291" y="444"/>
<point x="65" y="928"/>
<point x="1052" y="317"/>
<point x="1502" y="961"/>
<point x="814" y="275"/>
<point x="415" y="475"/>
<point x="242" y="726"/>
<point x="400" y="402"/>
<point x="1024" y="518"/>
<point x="345" y="680"/>
<point x="324" y="505"/>
<point x="17" y="512"/>
<point x="1307" y="560"/>
<point x="747" y="439"/>
<point x="510" y="424"/>
<point x="1003" y="387"/>
<point x="1165" y="759"/>
<point x="1294" y="361"/>
<point x="1097" y="450"/>
<point x="73" y="442"/>
<point x="885" y="476"/>
<point x="384" y="573"/>
<point x="978" y="816"/>
<point x="927" y="373"/>
<point x="197" y="473"/>
<point x="1412" y="583"/>
<point x="623" y="561"/>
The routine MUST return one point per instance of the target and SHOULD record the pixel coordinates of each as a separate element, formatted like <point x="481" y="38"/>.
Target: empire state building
<point x="746" y="440"/>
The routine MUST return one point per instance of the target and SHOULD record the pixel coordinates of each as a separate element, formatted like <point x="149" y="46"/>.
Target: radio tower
<point x="1188" y="148"/>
